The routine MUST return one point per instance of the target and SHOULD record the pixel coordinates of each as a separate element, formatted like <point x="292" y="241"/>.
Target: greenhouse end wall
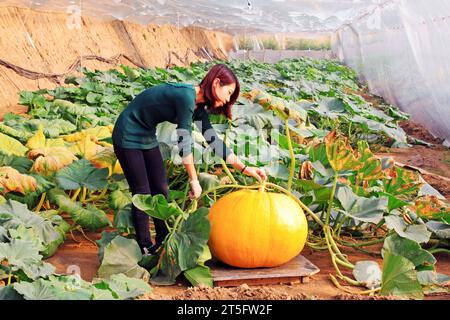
<point x="402" y="51"/>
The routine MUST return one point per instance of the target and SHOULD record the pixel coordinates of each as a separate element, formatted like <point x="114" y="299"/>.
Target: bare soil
<point x="418" y="131"/>
<point x="34" y="45"/>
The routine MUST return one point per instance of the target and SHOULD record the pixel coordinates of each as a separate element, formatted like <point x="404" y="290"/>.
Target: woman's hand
<point x="196" y="189"/>
<point x="257" y="173"/>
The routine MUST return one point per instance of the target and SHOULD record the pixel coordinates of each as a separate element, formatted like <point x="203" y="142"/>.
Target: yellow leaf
<point x="85" y="147"/>
<point x="277" y="105"/>
<point x="104" y="158"/>
<point x="55" y="143"/>
<point x="105" y="144"/>
<point x="430" y="207"/>
<point x="340" y="153"/>
<point x="12" y="180"/>
<point x="50" y="159"/>
<point x="99" y="133"/>
<point x="37" y="140"/>
<point x="117" y="168"/>
<point x="10" y="146"/>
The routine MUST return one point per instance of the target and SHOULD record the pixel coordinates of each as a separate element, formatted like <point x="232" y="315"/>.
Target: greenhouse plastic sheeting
<point x="273" y="56"/>
<point x="234" y="16"/>
<point x="402" y="50"/>
<point x="400" y="47"/>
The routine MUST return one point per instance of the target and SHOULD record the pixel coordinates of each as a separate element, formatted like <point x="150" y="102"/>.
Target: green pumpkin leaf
<point x="90" y="217"/>
<point x="118" y="199"/>
<point x="208" y="181"/>
<point x="122" y="255"/>
<point x="8" y="293"/>
<point x="61" y="288"/>
<point x="393" y="202"/>
<point x="19" y="253"/>
<point x="126" y="287"/>
<point x="175" y="195"/>
<point x="277" y="170"/>
<point x="399" y="277"/>
<point x="409" y="249"/>
<point x="37" y="290"/>
<point x="156" y="206"/>
<point x="72" y="287"/>
<point x="205" y="256"/>
<point x="3" y="234"/>
<point x="429" y="278"/>
<point x="199" y="275"/>
<point x="27" y="234"/>
<point x="442" y="230"/>
<point x="183" y="248"/>
<point x="417" y="232"/>
<point x="52" y="128"/>
<point x="82" y="173"/>
<point x="102" y="294"/>
<point x="21" y="164"/>
<point x="51" y="232"/>
<point x="107" y="237"/>
<point x="123" y="220"/>
<point x="360" y="208"/>
<point x="24" y="255"/>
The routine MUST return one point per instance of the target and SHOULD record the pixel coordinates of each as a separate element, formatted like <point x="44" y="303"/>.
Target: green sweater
<point x="135" y="128"/>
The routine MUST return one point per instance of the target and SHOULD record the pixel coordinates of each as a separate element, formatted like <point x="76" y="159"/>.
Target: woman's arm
<point x="233" y="160"/>
<point x="196" y="189"/>
<point x="184" y="110"/>
<point x="188" y="163"/>
<point x="255" y="172"/>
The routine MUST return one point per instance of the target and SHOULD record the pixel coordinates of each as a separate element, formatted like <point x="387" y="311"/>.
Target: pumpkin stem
<point x="193" y="206"/>
<point x="227" y="171"/>
<point x="262" y="187"/>
<point x="291" y="153"/>
<point x="186" y="189"/>
<point x="75" y="195"/>
<point x="41" y="202"/>
<point x="330" y="202"/>
<point x="367" y="292"/>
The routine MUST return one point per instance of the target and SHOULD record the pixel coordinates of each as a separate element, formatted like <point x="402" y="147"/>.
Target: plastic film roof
<point x="234" y="16"/>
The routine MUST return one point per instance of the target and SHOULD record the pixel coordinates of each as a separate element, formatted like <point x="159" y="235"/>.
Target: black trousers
<point x="145" y="174"/>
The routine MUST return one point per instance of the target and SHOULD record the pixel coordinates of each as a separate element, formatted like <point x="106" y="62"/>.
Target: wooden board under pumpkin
<point x="296" y="270"/>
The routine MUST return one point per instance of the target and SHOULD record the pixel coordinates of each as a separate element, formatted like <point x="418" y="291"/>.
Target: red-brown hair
<point x="226" y="77"/>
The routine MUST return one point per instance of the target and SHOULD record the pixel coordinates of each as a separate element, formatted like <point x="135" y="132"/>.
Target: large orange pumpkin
<point x="253" y="228"/>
